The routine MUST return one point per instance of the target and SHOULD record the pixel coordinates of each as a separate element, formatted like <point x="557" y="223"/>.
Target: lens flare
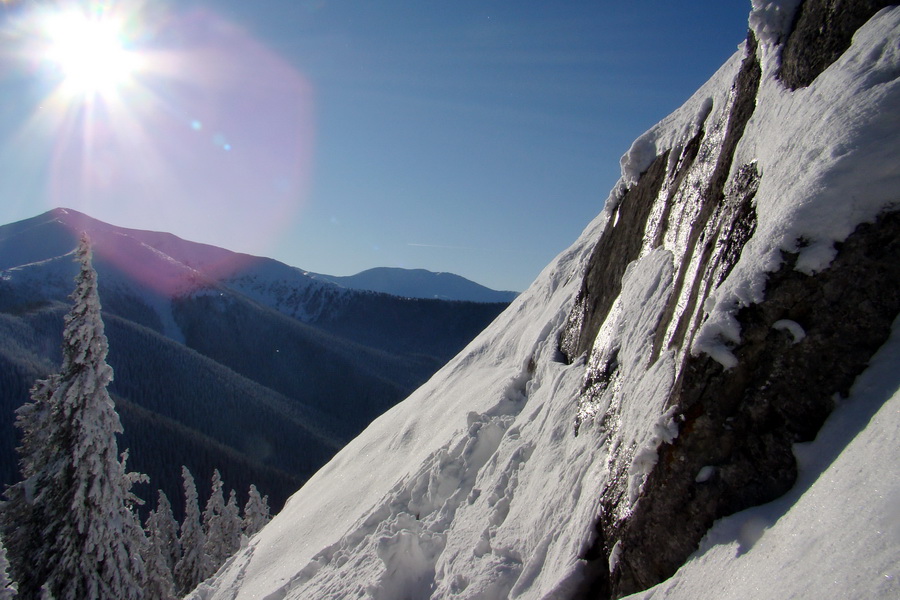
<point x="156" y="118"/>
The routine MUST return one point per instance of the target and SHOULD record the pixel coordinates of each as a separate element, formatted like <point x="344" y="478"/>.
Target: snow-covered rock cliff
<point x="613" y="429"/>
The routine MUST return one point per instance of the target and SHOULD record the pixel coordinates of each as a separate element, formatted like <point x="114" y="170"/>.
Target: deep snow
<point x="477" y="486"/>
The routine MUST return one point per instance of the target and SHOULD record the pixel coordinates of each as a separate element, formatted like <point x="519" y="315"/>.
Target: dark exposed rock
<point x="723" y="220"/>
<point x="621" y="243"/>
<point x="743" y="422"/>
<point x="707" y="232"/>
<point x="821" y="32"/>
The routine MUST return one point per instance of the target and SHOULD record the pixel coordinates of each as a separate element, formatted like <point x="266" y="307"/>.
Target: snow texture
<point x="7" y="587"/>
<point x="477" y="487"/>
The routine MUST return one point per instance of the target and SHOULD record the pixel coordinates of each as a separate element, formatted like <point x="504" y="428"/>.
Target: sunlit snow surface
<point x="476" y="486"/>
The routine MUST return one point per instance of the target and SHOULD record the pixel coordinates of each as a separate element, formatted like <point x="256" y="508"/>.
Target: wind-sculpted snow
<point x="656" y="376"/>
<point x="449" y="481"/>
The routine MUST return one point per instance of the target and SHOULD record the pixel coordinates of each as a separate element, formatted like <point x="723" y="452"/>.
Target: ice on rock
<point x="614" y="555"/>
<point x="705" y="474"/>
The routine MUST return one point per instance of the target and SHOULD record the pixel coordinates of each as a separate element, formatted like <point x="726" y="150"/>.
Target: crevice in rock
<point x="701" y="239"/>
<point x="595" y="583"/>
<point x="822" y="31"/>
<point x="618" y="246"/>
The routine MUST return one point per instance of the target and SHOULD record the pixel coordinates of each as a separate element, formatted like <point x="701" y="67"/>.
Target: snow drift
<point x="659" y="374"/>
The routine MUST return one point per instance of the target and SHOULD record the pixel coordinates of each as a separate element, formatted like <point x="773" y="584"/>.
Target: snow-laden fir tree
<point x="160" y="550"/>
<point x="194" y="565"/>
<point x="86" y="540"/>
<point x="216" y="503"/>
<point x="160" y="584"/>
<point x="256" y="512"/>
<point x="7" y="588"/>
<point x="165" y="528"/>
<point x="231" y="526"/>
<point x="22" y="522"/>
<point x="214" y="525"/>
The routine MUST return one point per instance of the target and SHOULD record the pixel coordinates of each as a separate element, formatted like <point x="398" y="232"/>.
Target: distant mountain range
<point x="222" y="360"/>
<point x="419" y="283"/>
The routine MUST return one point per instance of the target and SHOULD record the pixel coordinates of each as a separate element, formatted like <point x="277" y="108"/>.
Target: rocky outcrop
<point x="822" y="31"/>
<point x="803" y="348"/>
<point x="729" y="429"/>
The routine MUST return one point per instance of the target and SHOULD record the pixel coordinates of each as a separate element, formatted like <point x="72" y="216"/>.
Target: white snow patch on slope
<point x="770" y="22"/>
<point x="449" y="489"/>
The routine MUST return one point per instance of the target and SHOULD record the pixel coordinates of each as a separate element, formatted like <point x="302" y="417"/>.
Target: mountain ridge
<point x="198" y="330"/>
<point x="419" y="283"/>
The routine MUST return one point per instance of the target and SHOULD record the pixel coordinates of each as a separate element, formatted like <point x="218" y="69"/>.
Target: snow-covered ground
<point x="477" y="487"/>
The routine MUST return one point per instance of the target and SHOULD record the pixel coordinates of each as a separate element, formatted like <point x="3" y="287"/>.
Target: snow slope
<point x="390" y="503"/>
<point x="477" y="486"/>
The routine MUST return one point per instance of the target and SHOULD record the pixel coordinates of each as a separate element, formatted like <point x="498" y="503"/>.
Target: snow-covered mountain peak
<point x="419" y="283"/>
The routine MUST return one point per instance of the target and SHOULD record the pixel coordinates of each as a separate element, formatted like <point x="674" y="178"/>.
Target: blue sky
<point x="473" y="137"/>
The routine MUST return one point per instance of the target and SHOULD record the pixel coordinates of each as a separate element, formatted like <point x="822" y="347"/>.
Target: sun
<point x="89" y="52"/>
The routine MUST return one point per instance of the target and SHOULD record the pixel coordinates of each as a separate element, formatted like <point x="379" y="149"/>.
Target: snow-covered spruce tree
<point x="256" y="512"/>
<point x="7" y="587"/>
<point x="160" y="549"/>
<point x="160" y="584"/>
<point x="76" y="488"/>
<point x="194" y="565"/>
<point x="22" y="522"/>
<point x="214" y="524"/>
<point x="231" y="526"/>
<point x="216" y="503"/>
<point x="161" y="522"/>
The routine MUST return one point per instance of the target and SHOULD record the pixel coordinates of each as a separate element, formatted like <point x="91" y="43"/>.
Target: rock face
<point x="822" y="31"/>
<point x="800" y="348"/>
<point x="657" y="375"/>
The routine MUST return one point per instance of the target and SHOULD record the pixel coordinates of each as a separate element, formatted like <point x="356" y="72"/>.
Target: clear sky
<point x="476" y="137"/>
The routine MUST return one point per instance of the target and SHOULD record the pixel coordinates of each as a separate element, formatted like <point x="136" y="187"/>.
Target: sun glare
<point x="158" y="113"/>
<point x="89" y="53"/>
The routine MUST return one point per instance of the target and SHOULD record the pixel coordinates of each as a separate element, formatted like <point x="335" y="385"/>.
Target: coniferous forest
<point x="70" y="526"/>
